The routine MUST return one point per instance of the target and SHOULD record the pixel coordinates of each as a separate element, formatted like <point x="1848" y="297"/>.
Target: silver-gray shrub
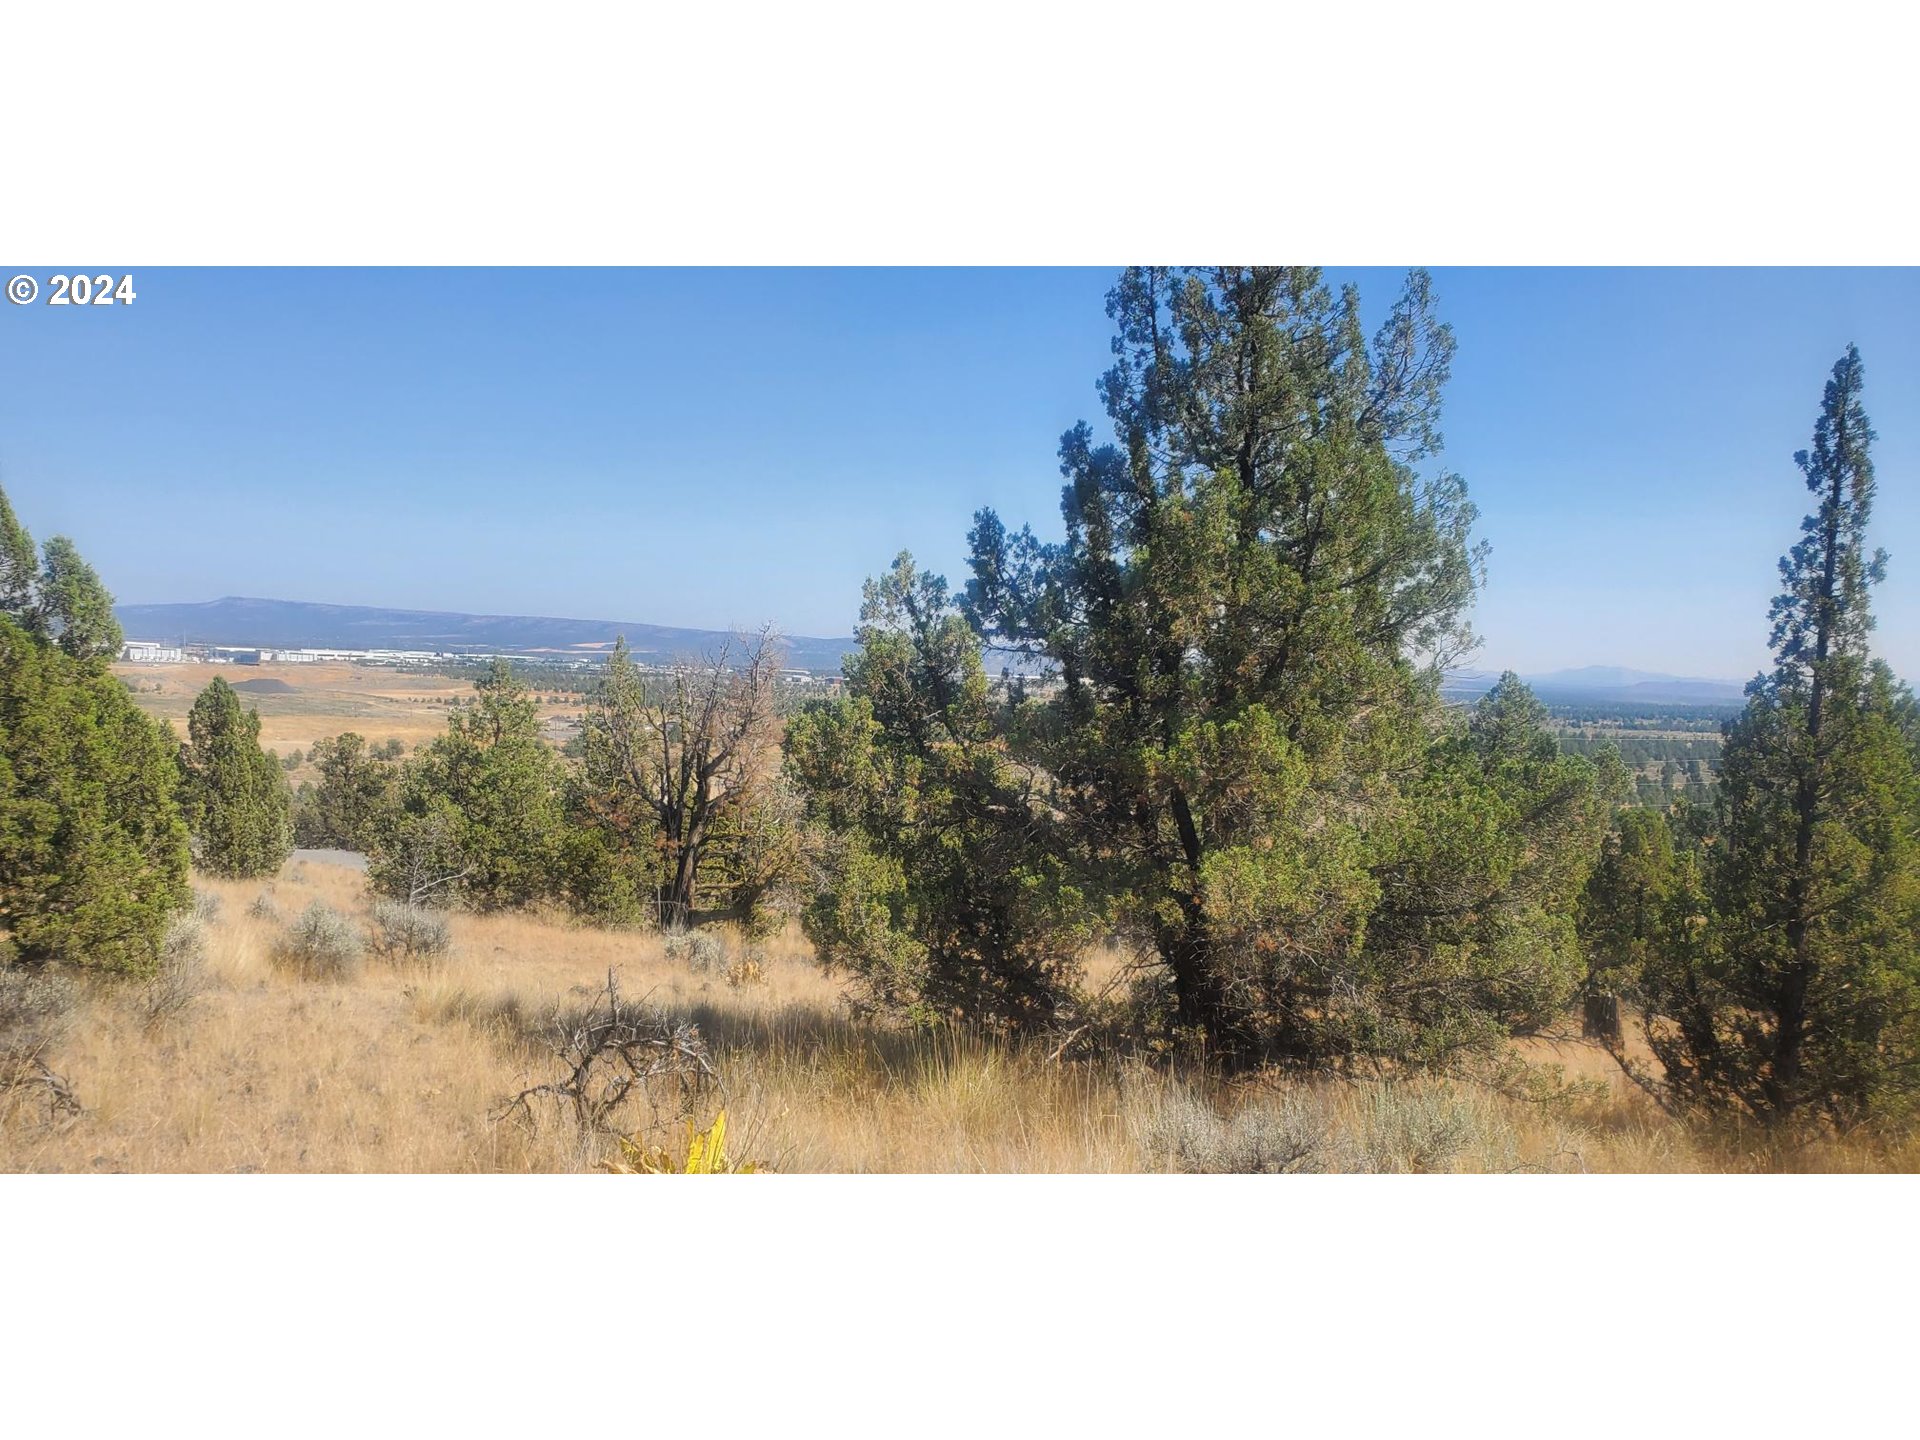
<point x="322" y="944"/>
<point x="408" y="934"/>
<point x="36" y="1012"/>
<point x="181" y="977"/>
<point x="699" y="951"/>
<point x="1180" y="1130"/>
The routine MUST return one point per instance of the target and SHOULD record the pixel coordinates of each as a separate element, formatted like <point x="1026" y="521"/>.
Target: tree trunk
<point x="1601" y="1018"/>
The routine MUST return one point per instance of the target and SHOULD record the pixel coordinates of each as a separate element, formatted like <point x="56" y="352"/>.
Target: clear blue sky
<point x="712" y="448"/>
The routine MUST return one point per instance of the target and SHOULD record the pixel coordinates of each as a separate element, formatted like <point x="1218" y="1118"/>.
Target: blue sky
<point x="713" y="448"/>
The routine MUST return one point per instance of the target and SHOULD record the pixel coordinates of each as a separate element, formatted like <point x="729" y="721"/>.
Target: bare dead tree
<point x="611" y="1052"/>
<point x="684" y="759"/>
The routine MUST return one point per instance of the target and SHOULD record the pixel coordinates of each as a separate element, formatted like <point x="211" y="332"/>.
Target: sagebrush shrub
<point x="1416" y="1131"/>
<point x="263" y="907"/>
<point x="36" y="1011"/>
<point x="321" y="945"/>
<point x="1182" y="1130"/>
<point x="181" y="976"/>
<point x="700" y="952"/>
<point x="407" y="933"/>
<point x="206" y="906"/>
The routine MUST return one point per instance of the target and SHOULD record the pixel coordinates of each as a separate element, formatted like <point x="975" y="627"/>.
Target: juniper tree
<point x="355" y="786"/>
<point x="1802" y="997"/>
<point x="1248" y="768"/>
<point x="93" y="854"/>
<point x="1257" y="591"/>
<point x="234" y="793"/>
<point x="19" y="569"/>
<point x="74" y="607"/>
<point x="478" y="815"/>
<point x="938" y="900"/>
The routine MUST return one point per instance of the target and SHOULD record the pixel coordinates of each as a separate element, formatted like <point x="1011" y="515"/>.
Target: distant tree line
<point x="671" y="808"/>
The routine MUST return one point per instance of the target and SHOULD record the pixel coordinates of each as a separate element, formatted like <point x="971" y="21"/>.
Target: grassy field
<point x="406" y="1068"/>
<point x="317" y="701"/>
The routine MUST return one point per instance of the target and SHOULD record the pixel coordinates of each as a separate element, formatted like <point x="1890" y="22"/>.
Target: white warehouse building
<point x="151" y="652"/>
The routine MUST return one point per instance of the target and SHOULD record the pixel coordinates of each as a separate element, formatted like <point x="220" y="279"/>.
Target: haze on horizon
<point x="708" y="448"/>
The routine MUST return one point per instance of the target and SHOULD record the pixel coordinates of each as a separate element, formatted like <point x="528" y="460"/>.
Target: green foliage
<point x="1248" y="770"/>
<point x="234" y="793"/>
<point x="613" y="855"/>
<point x="19" y="570"/>
<point x="74" y="607"/>
<point x="357" y="785"/>
<point x="93" y="854"/>
<point x="1795" y="992"/>
<point x="937" y="901"/>
<point x="478" y="816"/>
<point x="1627" y="916"/>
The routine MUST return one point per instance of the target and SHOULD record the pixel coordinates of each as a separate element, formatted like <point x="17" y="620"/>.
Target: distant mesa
<point x="299" y="624"/>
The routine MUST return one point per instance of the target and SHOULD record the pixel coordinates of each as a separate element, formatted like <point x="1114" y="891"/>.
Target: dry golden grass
<point x="377" y="702"/>
<point x="404" y="1070"/>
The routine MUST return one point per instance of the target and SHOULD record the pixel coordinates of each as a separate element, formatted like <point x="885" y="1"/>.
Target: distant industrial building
<point x="151" y="652"/>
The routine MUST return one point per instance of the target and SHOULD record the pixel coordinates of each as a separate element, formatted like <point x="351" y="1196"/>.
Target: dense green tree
<point x="1256" y="596"/>
<point x="939" y="900"/>
<point x="356" y="786"/>
<point x="615" y="849"/>
<point x="234" y="793"/>
<point x="1801" y="994"/>
<point x="19" y="567"/>
<point x="93" y="854"/>
<point x="1627" y="909"/>
<point x="74" y="607"/>
<point x="1248" y="767"/>
<point x="478" y="818"/>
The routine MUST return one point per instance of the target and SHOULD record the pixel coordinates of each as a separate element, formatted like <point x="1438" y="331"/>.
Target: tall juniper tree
<point x="236" y="797"/>
<point x="1802" y="996"/>
<point x="1249" y="766"/>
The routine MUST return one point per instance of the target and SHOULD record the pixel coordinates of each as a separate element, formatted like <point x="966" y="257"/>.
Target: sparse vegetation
<point x="36" y="1010"/>
<point x="1230" y="889"/>
<point x="181" y="977"/>
<point x="407" y="934"/>
<point x="321" y="944"/>
<point x="396" y="1070"/>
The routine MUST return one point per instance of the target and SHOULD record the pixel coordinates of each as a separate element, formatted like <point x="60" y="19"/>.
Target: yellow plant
<point x="706" y="1155"/>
